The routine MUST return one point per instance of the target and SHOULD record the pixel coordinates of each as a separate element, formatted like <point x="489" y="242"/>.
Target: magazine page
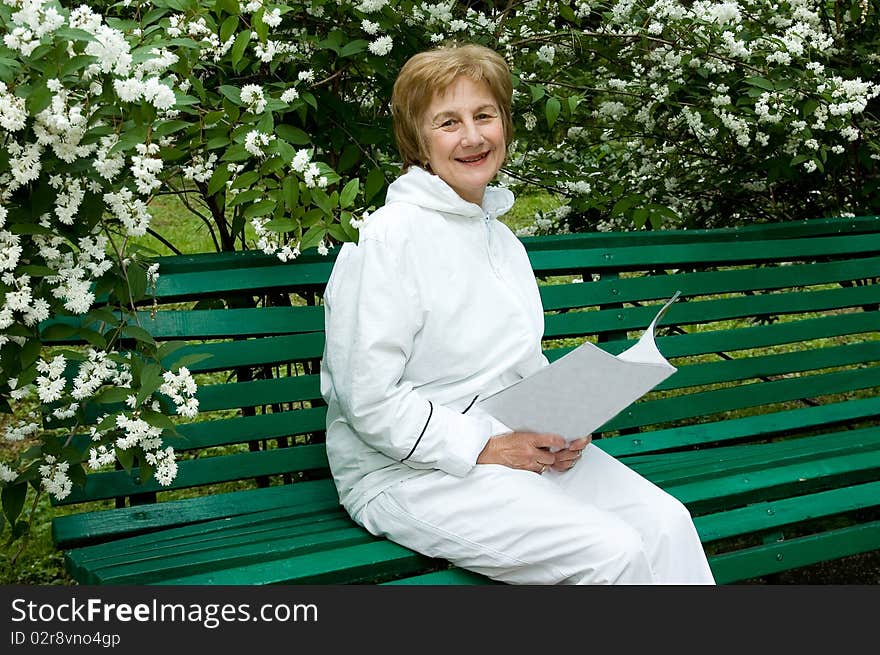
<point x="580" y="392"/>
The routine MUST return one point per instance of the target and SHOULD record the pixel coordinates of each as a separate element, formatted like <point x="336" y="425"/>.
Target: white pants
<point x="598" y="523"/>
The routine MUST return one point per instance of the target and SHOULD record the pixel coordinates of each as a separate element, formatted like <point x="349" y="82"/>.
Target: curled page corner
<point x="644" y="351"/>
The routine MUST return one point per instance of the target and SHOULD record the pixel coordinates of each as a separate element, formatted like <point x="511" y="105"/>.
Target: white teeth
<point x="473" y="159"/>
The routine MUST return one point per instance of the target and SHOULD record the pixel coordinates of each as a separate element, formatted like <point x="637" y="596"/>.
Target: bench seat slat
<point x="794" y="553"/>
<point x="209" y="533"/>
<point x="779" y="513"/>
<point x="267" y="550"/>
<point x="705" y="495"/>
<point x="352" y="564"/>
<point x="104" y="525"/>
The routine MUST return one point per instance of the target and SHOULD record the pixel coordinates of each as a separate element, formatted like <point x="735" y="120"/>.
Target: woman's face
<point x="465" y="137"/>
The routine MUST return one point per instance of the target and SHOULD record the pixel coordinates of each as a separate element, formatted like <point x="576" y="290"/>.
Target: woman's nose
<point x="470" y="134"/>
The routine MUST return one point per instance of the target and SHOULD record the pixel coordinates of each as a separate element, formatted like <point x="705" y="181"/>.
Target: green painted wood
<point x="752" y="231"/>
<point x="299" y="533"/>
<point x="197" y="472"/>
<point x="787" y="511"/>
<point x="264" y="351"/>
<point x="728" y="490"/>
<point x="661" y="287"/>
<point x="241" y="429"/>
<point x="267" y="550"/>
<point x="258" y="392"/>
<point x="702" y="252"/>
<point x="98" y="526"/>
<point x="756" y="427"/>
<point x="451" y="576"/>
<point x="259" y="279"/>
<point x="218" y="323"/>
<point x="707" y="464"/>
<point x="229" y="540"/>
<point x="707" y="403"/>
<point x="762" y="366"/>
<point x="352" y="564"/>
<point x="795" y="553"/>
<point x="745" y="337"/>
<point x="302" y="517"/>
<point x="691" y="312"/>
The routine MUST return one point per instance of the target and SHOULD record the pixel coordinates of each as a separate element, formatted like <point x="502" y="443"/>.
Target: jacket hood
<point x="419" y="187"/>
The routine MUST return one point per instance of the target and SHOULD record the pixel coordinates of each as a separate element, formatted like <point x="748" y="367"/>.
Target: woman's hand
<point x="568" y="457"/>
<point x="529" y="451"/>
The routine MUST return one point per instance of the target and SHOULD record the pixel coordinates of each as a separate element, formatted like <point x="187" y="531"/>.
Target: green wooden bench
<point x="768" y="432"/>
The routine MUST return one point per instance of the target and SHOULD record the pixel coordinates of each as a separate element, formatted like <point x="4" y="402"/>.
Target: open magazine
<point x="584" y="389"/>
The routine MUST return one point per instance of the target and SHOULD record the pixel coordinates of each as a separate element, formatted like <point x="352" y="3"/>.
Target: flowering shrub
<point x="274" y="117"/>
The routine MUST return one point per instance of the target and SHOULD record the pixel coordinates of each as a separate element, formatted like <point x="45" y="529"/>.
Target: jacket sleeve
<point x="372" y="317"/>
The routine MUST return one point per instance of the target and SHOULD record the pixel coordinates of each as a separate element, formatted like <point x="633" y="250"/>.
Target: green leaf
<point x="551" y="111"/>
<point x="227" y="29"/>
<point x="126" y="458"/>
<point x="38" y="99"/>
<point x="189" y="360"/>
<point x="236" y="152"/>
<point x="538" y="92"/>
<point x="281" y="225"/>
<point x="353" y="48"/>
<point x="218" y="179"/>
<point x="112" y="395"/>
<point x="157" y="419"/>
<point x="349" y="193"/>
<point x="238" y="48"/>
<point x="93" y="337"/>
<point x="322" y="201"/>
<point x="151" y="379"/>
<point x="170" y="127"/>
<point x="168" y="348"/>
<point x="375" y="182"/>
<point x="30" y="353"/>
<point x="138" y="333"/>
<point x="292" y="134"/>
<point x="290" y="192"/>
<point x="229" y="6"/>
<point x="313" y="236"/>
<point x="58" y="332"/>
<point x="760" y="82"/>
<point x="260" y="208"/>
<point x="231" y="93"/>
<point x="13" y="500"/>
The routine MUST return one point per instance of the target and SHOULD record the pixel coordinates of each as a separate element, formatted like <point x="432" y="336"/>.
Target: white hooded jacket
<point x="435" y="306"/>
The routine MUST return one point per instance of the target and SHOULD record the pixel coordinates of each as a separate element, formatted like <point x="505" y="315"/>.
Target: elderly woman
<point x="436" y="306"/>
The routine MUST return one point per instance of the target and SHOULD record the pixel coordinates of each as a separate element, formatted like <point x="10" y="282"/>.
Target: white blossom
<point x="381" y="46"/>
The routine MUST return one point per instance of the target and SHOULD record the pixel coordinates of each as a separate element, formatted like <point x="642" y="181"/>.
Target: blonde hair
<point x="434" y="71"/>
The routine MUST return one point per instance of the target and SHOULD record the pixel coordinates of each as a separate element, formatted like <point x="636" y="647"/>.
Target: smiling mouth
<point x="473" y="159"/>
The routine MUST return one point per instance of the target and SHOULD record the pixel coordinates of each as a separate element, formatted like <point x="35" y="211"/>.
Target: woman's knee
<point x="619" y="558"/>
